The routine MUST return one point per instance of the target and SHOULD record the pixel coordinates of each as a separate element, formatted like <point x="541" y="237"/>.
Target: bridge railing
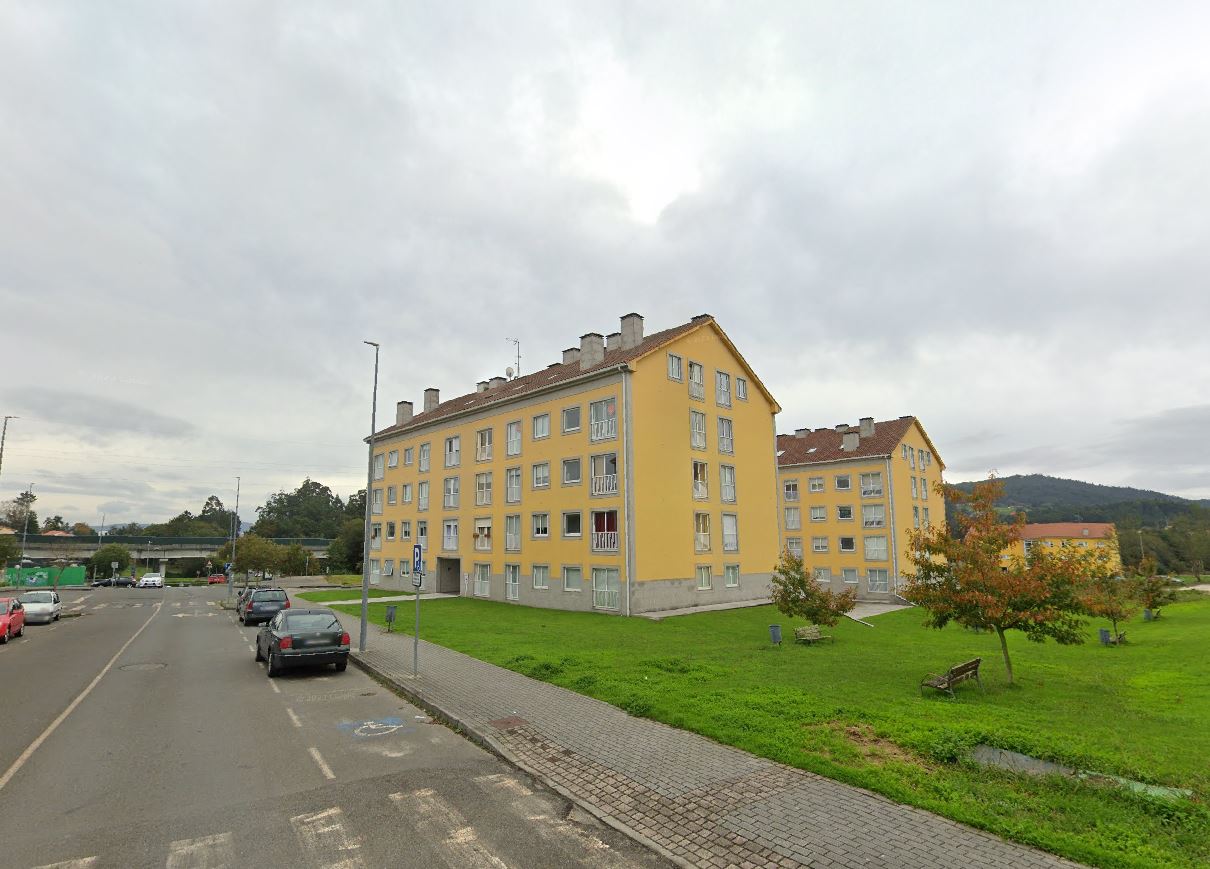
<point x="143" y="541"/>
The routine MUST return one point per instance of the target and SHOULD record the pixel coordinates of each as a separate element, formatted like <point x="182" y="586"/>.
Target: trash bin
<point x="775" y="634"/>
<point x="1104" y="632"/>
<point x="1148" y="615"/>
<point x="390" y="616"/>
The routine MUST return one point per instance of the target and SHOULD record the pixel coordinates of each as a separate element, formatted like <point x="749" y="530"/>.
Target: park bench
<point x="952" y="676"/>
<point x="811" y="634"/>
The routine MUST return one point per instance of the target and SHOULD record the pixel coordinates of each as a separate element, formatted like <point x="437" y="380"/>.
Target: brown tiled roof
<point x="1066" y="529"/>
<point x="550" y="376"/>
<point x="823" y="444"/>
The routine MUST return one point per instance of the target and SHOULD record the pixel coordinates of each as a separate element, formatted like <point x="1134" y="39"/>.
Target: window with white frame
<point x="407" y="456"/>
<point x="483" y="534"/>
<point x="878" y="579"/>
<point x="703" y="577"/>
<point x="405" y="567"/>
<point x="422" y="495"/>
<point x="915" y="492"/>
<point x="848" y="544"/>
<point x="875" y="548"/>
<point x="842" y="482"/>
<point x="849" y="575"/>
<point x="603" y="474"/>
<point x="912" y="458"/>
<point x="844" y="512"/>
<point x="540" y="524"/>
<point x="722" y="388"/>
<point x="730" y="532"/>
<point x="540" y="573"/>
<point x="606" y="588"/>
<point x="697" y="430"/>
<point x="571" y="472"/>
<point x="726" y="474"/>
<point x="390" y="495"/>
<point x="512" y="485"/>
<point x="483" y="489"/>
<point x="451" y="492"/>
<point x="871" y="485"/>
<point x="571" y="419"/>
<point x="393" y="459"/>
<point x="423" y="464"/>
<point x="701" y="532"/>
<point x="726" y="435"/>
<point x="741" y="389"/>
<point x="793" y="518"/>
<point x="390" y="531"/>
<point x="697" y="381"/>
<point x="604" y="531"/>
<point x="925" y="518"/>
<point x="453" y="451"/>
<point x="815" y="484"/>
<point x="422" y="533"/>
<point x="873" y="515"/>
<point x="376" y="535"/>
<point x="701" y="480"/>
<point x="822" y="574"/>
<point x="573" y="524"/>
<point x="449" y="535"/>
<point x="405" y="530"/>
<point x="542" y="475"/>
<point x="512" y="438"/>
<point x="924" y="489"/>
<point x="819" y="544"/>
<point x="375" y="569"/>
<point x="676" y="368"/>
<point x="483" y="580"/>
<point x="819" y="513"/>
<point x="541" y="426"/>
<point x="512" y="581"/>
<point x="573" y="578"/>
<point x="512" y="533"/>
<point x="794" y="546"/>
<point x="903" y="448"/>
<point x="378" y="500"/>
<point x="379" y="469"/>
<point x="915" y="516"/>
<point x="731" y="571"/>
<point x="603" y="419"/>
<point x="790" y="488"/>
<point x="483" y="445"/>
<point x="405" y="493"/>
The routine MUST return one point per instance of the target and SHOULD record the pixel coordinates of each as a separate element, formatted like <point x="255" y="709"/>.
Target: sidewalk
<point x="696" y="802"/>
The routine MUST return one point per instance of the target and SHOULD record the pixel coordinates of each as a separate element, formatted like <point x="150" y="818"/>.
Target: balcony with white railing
<point x="697" y="439"/>
<point x="375" y="543"/>
<point x="604" y="541"/>
<point x="482" y="586"/>
<point x="701" y="541"/>
<point x="605" y="484"/>
<point x="874" y="523"/>
<point x="450" y="500"/>
<point x="872" y="491"/>
<point x="512" y="542"/>
<point x="605" y="599"/>
<point x="483" y="542"/>
<point x="726" y="444"/>
<point x="604" y="429"/>
<point x="700" y="489"/>
<point x="723" y="397"/>
<point x="450" y="542"/>
<point x="697" y="390"/>
<point x="422" y="503"/>
<point x="730" y="542"/>
<point x="728" y="493"/>
<point x="483" y="454"/>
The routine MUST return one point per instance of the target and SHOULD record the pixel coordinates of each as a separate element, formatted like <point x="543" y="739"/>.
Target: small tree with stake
<point x="1110" y="596"/>
<point x="1152" y="591"/>
<point x="796" y="594"/>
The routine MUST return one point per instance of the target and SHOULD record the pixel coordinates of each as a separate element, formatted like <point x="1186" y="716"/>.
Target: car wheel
<point x="57" y="616"/>
<point x="274" y="669"/>
<point x="21" y="633"/>
<point x="4" y="639"/>
<point x="341" y="666"/>
<point x="259" y="656"/>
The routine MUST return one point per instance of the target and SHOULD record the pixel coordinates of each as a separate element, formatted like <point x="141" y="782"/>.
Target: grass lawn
<point x="852" y="711"/>
<point x="347" y="594"/>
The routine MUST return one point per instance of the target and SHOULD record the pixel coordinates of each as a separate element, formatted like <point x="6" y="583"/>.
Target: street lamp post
<point x="29" y="496"/>
<point x="365" y="549"/>
<point x="3" y="435"/>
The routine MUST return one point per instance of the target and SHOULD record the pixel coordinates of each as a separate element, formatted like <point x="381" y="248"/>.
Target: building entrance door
<point x="448" y="570"/>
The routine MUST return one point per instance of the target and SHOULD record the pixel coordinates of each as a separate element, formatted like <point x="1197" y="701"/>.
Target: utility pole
<point x="3" y="435"/>
<point x="234" y="538"/>
<point x="365" y="548"/>
<point x="29" y="496"/>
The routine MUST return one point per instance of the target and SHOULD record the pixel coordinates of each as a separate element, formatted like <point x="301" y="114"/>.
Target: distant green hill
<point x="1039" y="490"/>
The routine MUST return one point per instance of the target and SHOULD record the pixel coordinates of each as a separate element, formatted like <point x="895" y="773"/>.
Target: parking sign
<point x="417" y="565"/>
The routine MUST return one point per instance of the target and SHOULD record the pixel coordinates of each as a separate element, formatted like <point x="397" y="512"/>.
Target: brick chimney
<point x="867" y="426"/>
<point x="570" y="355"/>
<point x="632" y="331"/>
<point x="613" y="341"/>
<point x="432" y="398"/>
<point x="849" y="441"/>
<point x="592" y="350"/>
<point x="403" y="412"/>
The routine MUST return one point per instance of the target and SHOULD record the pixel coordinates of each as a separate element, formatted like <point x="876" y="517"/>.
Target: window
<point x="405" y="530"/>
<point x="379" y="470"/>
<point x="914" y="490"/>
<point x="730" y="532"/>
<point x="875" y="548"/>
<point x="483" y="489"/>
<point x="573" y="578"/>
<point x="697" y="381"/>
<point x="703" y="577"/>
<point x="903" y="451"/>
<point x="873" y="515"/>
<point x="604" y="531"/>
<point x="422" y="533"/>
<point x="393" y="459"/>
<point x="819" y="514"/>
<point x="924" y="489"/>
<point x="541" y="575"/>
<point x="849" y="575"/>
<point x="603" y="419"/>
<point x="512" y="533"/>
<point x="793" y="519"/>
<point x="871" y="485"/>
<point x="676" y="368"/>
<point x="603" y="471"/>
<point x="512" y="581"/>
<point x="390" y="531"/>
<point x="741" y="389"/>
<point x="722" y="388"/>
<point x="376" y="535"/>
<point x="791" y="489"/>
<point x="452" y="492"/>
<point x="542" y="475"/>
<point x="483" y="580"/>
<point x="424" y="457"/>
<point x="794" y="546"/>
<point x="731" y="571"/>
<point x="407" y="455"/>
<point x="815" y="484"/>
<point x="512" y="438"/>
<point x="572" y="524"/>
<point x="726" y="474"/>
<point x="701" y="483"/>
<point x="843" y="482"/>
<point x="406" y="493"/>
<point x="844" y="512"/>
<point x="726" y="439"/>
<point x="819" y="544"/>
<point x="404" y="567"/>
<point x="915" y="516"/>
<point x="606" y="588"/>
<point x="449" y="535"/>
<point x="571" y="472"/>
<point x="453" y="451"/>
<point x="912" y="457"/>
<point x="541" y="427"/>
<point x="483" y="534"/>
<point x="378" y="500"/>
<point x="878" y="579"/>
<point x="541" y="524"/>
<point x="374" y="568"/>
<point x="390" y="495"/>
<point x="512" y="485"/>
<point x="701" y="532"/>
<point x="571" y="419"/>
<point x="697" y="430"/>
<point x="848" y="544"/>
<point x="483" y="445"/>
<point x="925" y="520"/>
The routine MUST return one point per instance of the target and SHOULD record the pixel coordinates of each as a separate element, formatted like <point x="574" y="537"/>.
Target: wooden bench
<point x="952" y="676"/>
<point x="811" y="634"/>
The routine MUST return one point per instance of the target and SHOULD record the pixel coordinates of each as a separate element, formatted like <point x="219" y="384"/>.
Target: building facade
<point x="1058" y="534"/>
<point x="849" y="495"/>
<point x="637" y="474"/>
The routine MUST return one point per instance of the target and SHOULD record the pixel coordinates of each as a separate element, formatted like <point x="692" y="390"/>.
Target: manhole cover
<point x="152" y="666"/>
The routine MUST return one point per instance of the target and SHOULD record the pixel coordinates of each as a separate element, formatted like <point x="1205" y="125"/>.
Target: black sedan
<point x="302" y="638"/>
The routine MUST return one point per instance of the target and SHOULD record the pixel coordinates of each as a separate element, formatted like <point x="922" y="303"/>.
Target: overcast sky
<point x="992" y="216"/>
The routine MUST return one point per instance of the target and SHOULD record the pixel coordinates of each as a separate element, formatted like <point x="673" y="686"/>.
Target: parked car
<point x="41" y="606"/>
<point x="12" y="618"/>
<point x="150" y="580"/>
<point x="215" y="579"/>
<point x="124" y="582"/>
<point x="301" y="638"/>
<point x="102" y="582"/>
<point x="262" y="604"/>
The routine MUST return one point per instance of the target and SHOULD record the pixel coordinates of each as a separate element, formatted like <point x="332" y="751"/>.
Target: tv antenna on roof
<point x="517" y="343"/>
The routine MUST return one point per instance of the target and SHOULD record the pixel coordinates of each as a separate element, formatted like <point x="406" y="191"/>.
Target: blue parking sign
<point x="417" y="564"/>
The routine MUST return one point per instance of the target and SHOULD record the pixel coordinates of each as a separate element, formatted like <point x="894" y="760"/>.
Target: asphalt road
<point x="139" y="731"/>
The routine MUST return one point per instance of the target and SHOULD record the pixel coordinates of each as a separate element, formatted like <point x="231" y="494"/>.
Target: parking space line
<point x="81" y="863"/>
<point x="321" y="763"/>
<point x="323" y="836"/>
<point x="525" y="803"/>
<point x="100" y="606"/>
<point x="276" y="690"/>
<point x="84" y="597"/>
<point x="437" y="819"/>
<point x="206" y="852"/>
<point x="293" y="718"/>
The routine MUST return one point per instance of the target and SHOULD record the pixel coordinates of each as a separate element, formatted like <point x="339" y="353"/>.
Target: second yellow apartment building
<point x="849" y="496"/>
<point x="1059" y="534"/>
<point x="634" y="475"/>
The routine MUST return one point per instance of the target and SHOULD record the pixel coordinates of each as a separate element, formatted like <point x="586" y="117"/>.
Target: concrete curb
<point x="486" y="742"/>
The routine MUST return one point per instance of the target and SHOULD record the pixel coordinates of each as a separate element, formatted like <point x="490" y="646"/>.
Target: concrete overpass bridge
<point x="52" y="547"/>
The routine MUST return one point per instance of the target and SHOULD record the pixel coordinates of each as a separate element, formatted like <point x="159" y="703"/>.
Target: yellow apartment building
<point x="1058" y="534"/>
<point x="849" y="496"/>
<point x="636" y="474"/>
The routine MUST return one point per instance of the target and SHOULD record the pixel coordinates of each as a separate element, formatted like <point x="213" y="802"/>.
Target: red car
<point x="12" y="618"/>
<point x="215" y="579"/>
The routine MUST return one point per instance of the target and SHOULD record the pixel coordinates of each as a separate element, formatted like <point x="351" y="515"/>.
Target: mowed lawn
<point x="852" y="710"/>
<point x="347" y="594"/>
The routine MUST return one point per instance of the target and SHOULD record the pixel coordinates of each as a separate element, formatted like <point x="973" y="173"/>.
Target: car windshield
<point x="312" y="622"/>
<point x="274" y="594"/>
<point x="37" y="597"/>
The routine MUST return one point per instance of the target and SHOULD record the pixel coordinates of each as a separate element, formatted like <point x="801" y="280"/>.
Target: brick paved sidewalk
<point x="695" y="801"/>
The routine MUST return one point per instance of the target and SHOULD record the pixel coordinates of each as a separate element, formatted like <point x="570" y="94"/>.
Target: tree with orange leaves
<point x="965" y="579"/>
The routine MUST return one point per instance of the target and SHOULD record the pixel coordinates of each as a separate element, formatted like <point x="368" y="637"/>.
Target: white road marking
<point x="54" y="725"/>
<point x="550" y="827"/>
<point x="293" y="718"/>
<point x="137" y="605"/>
<point x="77" y="608"/>
<point x="84" y="597"/>
<point x="252" y="648"/>
<point x="207" y="852"/>
<point x="437" y="819"/>
<point x="82" y="863"/>
<point x="176" y="603"/>
<point x="276" y="690"/>
<point x="319" y="760"/>
<point x="100" y="606"/>
<point x="324" y="837"/>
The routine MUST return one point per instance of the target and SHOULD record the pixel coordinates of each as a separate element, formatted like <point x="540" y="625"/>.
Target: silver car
<point x="41" y="606"/>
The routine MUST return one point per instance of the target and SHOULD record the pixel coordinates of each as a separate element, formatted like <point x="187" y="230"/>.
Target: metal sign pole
<point x="417" y="582"/>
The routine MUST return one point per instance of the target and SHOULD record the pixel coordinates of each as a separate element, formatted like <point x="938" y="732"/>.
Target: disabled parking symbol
<point x="375" y="727"/>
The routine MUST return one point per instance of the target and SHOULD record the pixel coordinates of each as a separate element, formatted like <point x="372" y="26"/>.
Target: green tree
<point x="797" y="594"/>
<point x="107" y="555"/>
<point x="294" y="560"/>
<point x="83" y="529"/>
<point x="10" y="550"/>
<point x="18" y="514"/>
<point x="1111" y="597"/>
<point x="311" y="510"/>
<point x="346" y="551"/>
<point x="54" y="523"/>
<point x="253" y="553"/>
<point x="1153" y="592"/>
